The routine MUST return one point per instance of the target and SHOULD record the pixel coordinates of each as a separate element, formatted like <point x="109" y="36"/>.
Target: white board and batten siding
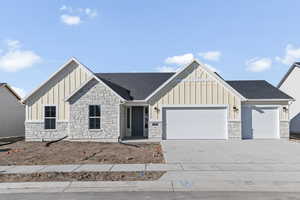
<point x="55" y="91"/>
<point x="196" y="105"/>
<point x="291" y="87"/>
<point x="197" y="87"/>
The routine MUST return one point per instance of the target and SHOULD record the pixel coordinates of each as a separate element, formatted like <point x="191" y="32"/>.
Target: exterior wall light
<point x="235" y="108"/>
<point x="285" y="109"/>
<point x="156" y="108"/>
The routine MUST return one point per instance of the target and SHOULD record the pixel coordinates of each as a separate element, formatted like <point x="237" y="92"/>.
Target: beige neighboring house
<point x="290" y="84"/>
<point x="12" y="112"/>
<point x="193" y="103"/>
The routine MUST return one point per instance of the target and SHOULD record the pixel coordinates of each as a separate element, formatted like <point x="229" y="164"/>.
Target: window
<point x="128" y="117"/>
<point x="50" y="117"/>
<point x="94" y="116"/>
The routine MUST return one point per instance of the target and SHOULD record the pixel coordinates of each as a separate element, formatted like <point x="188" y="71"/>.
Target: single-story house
<point x="290" y="85"/>
<point x="193" y="103"/>
<point x="12" y="113"/>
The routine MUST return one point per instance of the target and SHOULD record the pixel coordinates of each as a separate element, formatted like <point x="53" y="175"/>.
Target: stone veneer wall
<point x="94" y="93"/>
<point x="234" y="130"/>
<point x="284" y="129"/>
<point x="34" y="131"/>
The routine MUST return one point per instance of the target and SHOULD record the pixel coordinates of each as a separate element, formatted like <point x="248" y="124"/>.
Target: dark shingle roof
<point x="138" y="86"/>
<point x="258" y="89"/>
<point x="134" y="86"/>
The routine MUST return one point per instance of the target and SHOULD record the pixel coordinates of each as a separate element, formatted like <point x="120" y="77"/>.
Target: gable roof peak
<point x="295" y="64"/>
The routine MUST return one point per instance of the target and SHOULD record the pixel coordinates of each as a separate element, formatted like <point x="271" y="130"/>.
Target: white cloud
<point x="90" y="12"/>
<point x="211" y="55"/>
<point x="13" y="44"/>
<point x="292" y="54"/>
<point x="21" y="92"/>
<point x="167" y="69"/>
<point x="181" y="59"/>
<point x="211" y="68"/>
<point x="258" y="64"/>
<point x="15" y="59"/>
<point x="70" y="20"/>
<point x="66" y="8"/>
<point x="74" y="16"/>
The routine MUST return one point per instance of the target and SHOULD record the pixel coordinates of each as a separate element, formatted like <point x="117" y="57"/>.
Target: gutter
<point x="250" y="100"/>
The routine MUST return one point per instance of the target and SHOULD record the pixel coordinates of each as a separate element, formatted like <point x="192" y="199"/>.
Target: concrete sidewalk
<point x="169" y="167"/>
<point x="169" y="186"/>
<point x="152" y="167"/>
<point x="179" y="177"/>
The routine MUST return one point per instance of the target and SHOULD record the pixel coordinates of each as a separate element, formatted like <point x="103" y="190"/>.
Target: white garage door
<point x="195" y="123"/>
<point x="260" y="122"/>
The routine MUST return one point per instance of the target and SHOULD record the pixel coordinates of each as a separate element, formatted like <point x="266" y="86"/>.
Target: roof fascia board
<point x="75" y="91"/>
<point x="168" y="81"/>
<point x="44" y="83"/>
<point x="287" y="74"/>
<point x="208" y="71"/>
<point x="222" y="81"/>
<point x="60" y="69"/>
<point x="12" y="91"/>
<point x="270" y="100"/>
<point x="98" y="79"/>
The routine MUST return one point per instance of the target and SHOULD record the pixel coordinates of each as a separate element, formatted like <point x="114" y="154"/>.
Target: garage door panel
<point x="260" y="122"/>
<point x="195" y="123"/>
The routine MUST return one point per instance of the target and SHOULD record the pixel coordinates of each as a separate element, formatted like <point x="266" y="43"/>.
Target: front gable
<point x="195" y="85"/>
<point x="54" y="91"/>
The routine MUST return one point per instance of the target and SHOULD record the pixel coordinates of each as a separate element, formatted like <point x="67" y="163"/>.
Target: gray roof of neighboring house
<point x="296" y="64"/>
<point x="258" y="89"/>
<point x="134" y="86"/>
<point x="2" y="84"/>
<point x="138" y="86"/>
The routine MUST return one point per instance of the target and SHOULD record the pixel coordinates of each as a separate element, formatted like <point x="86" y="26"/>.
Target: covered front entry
<point x="260" y="122"/>
<point x="137" y="122"/>
<point x="189" y="123"/>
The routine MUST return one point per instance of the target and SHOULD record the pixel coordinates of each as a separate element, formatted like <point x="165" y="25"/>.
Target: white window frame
<point x="94" y="117"/>
<point x="50" y="105"/>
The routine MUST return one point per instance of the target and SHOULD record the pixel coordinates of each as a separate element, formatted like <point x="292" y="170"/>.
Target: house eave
<point x="266" y="100"/>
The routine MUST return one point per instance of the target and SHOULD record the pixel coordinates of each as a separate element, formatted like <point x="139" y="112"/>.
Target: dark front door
<point x="137" y="121"/>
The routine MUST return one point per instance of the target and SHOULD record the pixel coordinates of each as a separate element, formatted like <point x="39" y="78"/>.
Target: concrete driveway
<point x="232" y="151"/>
<point x="235" y="165"/>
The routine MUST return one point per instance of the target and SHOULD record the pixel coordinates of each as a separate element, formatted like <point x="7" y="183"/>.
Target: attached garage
<point x="260" y="122"/>
<point x="187" y="123"/>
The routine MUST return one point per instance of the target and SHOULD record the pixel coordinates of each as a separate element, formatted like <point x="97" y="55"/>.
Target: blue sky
<point x="239" y="39"/>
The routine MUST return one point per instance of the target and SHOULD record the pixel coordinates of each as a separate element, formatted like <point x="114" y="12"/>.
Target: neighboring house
<point x="194" y="103"/>
<point x="290" y="85"/>
<point x="12" y="112"/>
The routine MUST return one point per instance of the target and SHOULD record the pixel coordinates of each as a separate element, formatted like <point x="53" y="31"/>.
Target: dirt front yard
<point x="64" y="152"/>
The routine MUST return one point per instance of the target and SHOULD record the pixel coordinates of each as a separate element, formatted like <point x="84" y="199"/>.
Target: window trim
<point x="94" y="117"/>
<point x="44" y="109"/>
